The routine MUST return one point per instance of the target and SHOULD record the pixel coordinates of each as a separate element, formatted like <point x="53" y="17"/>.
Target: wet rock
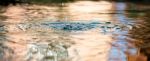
<point x="107" y="22"/>
<point x="71" y="26"/>
<point x="6" y="53"/>
<point x="23" y="26"/>
<point x="74" y="26"/>
<point x="46" y="52"/>
<point x="2" y="29"/>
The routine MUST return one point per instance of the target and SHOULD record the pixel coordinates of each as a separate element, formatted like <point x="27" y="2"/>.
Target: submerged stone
<point x="73" y="26"/>
<point x="46" y="52"/>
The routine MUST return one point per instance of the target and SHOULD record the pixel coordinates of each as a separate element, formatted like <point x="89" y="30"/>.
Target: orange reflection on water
<point x="88" y="10"/>
<point x="90" y="46"/>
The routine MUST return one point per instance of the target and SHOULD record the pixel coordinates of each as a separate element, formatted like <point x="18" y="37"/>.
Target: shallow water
<point x="75" y="31"/>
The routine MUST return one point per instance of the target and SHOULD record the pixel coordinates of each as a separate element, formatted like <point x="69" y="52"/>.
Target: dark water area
<point x="142" y="25"/>
<point x="15" y="2"/>
<point x="75" y="31"/>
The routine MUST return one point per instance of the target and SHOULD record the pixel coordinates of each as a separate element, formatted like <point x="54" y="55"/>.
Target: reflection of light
<point x="88" y="6"/>
<point x="89" y="10"/>
<point x="90" y="45"/>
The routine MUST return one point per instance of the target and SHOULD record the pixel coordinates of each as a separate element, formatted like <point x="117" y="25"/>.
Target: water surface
<point x="74" y="31"/>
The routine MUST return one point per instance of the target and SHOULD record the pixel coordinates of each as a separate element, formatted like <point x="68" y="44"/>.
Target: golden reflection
<point x="90" y="46"/>
<point x="90" y="6"/>
<point x="88" y="10"/>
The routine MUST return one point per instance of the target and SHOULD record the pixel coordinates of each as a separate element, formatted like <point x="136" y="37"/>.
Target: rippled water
<point x="75" y="31"/>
